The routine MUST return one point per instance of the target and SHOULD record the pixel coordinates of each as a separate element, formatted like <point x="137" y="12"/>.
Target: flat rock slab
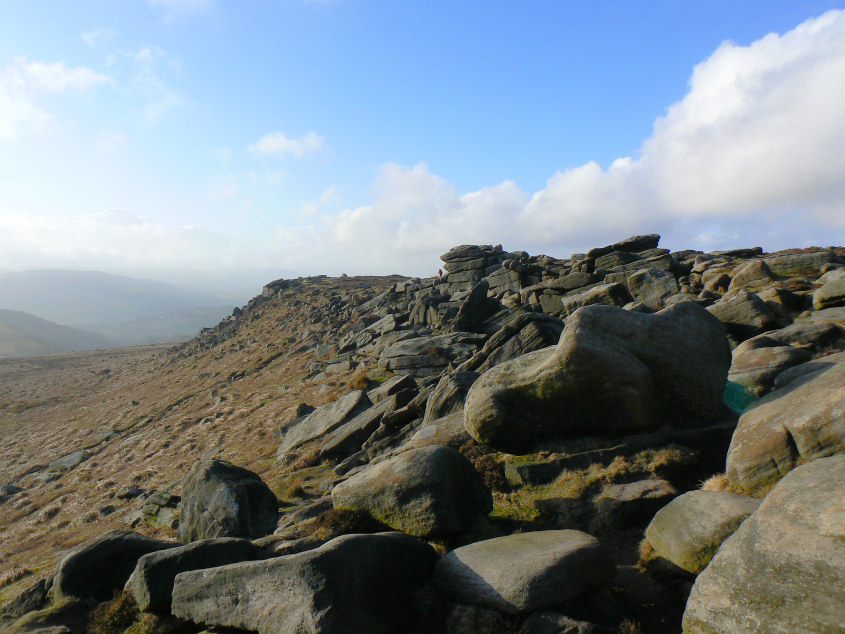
<point x="632" y="503"/>
<point x="151" y="582"/>
<point x="757" y="369"/>
<point x="688" y="531"/>
<point x="800" y="422"/>
<point x="783" y="570"/>
<point x="324" y="419"/>
<point x="98" y="567"/>
<point x="352" y="584"/>
<point x="524" y="572"/>
<point x="448" y="431"/>
<point x="423" y="492"/>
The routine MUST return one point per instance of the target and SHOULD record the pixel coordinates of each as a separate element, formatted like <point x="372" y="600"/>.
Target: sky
<point x="370" y="136"/>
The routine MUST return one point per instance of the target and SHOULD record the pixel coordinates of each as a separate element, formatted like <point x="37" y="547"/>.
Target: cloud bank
<point x="278" y="144"/>
<point x="751" y="155"/>
<point x="23" y="82"/>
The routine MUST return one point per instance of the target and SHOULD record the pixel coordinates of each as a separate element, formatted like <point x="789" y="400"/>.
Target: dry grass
<point x="113" y="617"/>
<point x="336" y="522"/>
<point x="630" y="626"/>
<point x="14" y="575"/>
<point x="576" y="484"/>
<point x="645" y="550"/>
<point x="718" y="482"/>
<point x="161" y="407"/>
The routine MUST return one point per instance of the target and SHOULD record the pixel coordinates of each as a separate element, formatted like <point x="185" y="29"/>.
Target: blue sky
<point x="369" y="136"/>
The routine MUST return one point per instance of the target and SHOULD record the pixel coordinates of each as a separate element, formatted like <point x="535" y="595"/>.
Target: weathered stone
<point x="449" y="395"/>
<point x="220" y="499"/>
<point x="835" y="315"/>
<point x="349" y="437"/>
<point x="611" y="294"/>
<point x="796" y="264"/>
<point x="423" y="492"/>
<point x="32" y="598"/>
<point x="797" y="371"/>
<point x="632" y="503"/>
<point x="613" y="372"/>
<point x="428" y="356"/>
<point x="68" y="461"/>
<point x="783" y="570"/>
<point x="69" y="616"/>
<point x="548" y="622"/>
<point x="524" y="572"/>
<point x="392" y="386"/>
<point x="753" y="276"/>
<point x="801" y="422"/>
<point x="652" y="287"/>
<point x="806" y="335"/>
<point x="688" y="531"/>
<point x="448" y="431"/>
<point x="757" y="369"/>
<point x="151" y="583"/>
<point x="324" y="419"/>
<point x="615" y="258"/>
<point x="830" y="295"/>
<point x="99" y="566"/>
<point x="638" y="243"/>
<point x="354" y="583"/>
<point x="744" y="315"/>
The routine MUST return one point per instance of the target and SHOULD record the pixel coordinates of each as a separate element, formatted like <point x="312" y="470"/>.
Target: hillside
<point x="128" y="310"/>
<point x="628" y="412"/>
<point x="25" y="335"/>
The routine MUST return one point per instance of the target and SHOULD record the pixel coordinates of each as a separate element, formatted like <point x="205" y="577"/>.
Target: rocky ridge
<point x="507" y="432"/>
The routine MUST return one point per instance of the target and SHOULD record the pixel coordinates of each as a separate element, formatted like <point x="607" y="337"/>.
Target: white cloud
<point x="151" y="66"/>
<point x="278" y="144"/>
<point x="110" y="142"/>
<point x="751" y="155"/>
<point x="23" y="81"/>
<point x="223" y="155"/>
<point x="98" y="36"/>
<point x="114" y="237"/>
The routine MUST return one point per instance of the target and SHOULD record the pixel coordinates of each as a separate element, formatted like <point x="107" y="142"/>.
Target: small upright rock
<point x="220" y="499"/>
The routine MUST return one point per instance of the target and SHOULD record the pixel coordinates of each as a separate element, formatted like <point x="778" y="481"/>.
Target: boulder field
<point x="525" y="449"/>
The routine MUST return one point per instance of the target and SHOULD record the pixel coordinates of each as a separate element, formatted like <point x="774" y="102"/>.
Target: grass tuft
<point x="113" y="617"/>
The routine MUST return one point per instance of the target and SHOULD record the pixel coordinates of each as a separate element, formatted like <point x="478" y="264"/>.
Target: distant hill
<point x="126" y="310"/>
<point x="25" y="335"/>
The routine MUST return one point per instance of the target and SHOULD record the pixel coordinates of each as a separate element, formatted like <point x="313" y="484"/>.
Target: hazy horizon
<point x="369" y="137"/>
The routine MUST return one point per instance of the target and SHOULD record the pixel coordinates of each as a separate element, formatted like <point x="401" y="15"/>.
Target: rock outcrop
<point x="613" y="372"/>
<point x="783" y="570"/>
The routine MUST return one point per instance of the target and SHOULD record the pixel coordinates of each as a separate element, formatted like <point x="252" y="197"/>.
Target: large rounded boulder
<point x="613" y="372"/>
<point x="220" y="499"/>
<point x="783" y="570"/>
<point x="802" y="421"/>
<point x="426" y="492"/>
